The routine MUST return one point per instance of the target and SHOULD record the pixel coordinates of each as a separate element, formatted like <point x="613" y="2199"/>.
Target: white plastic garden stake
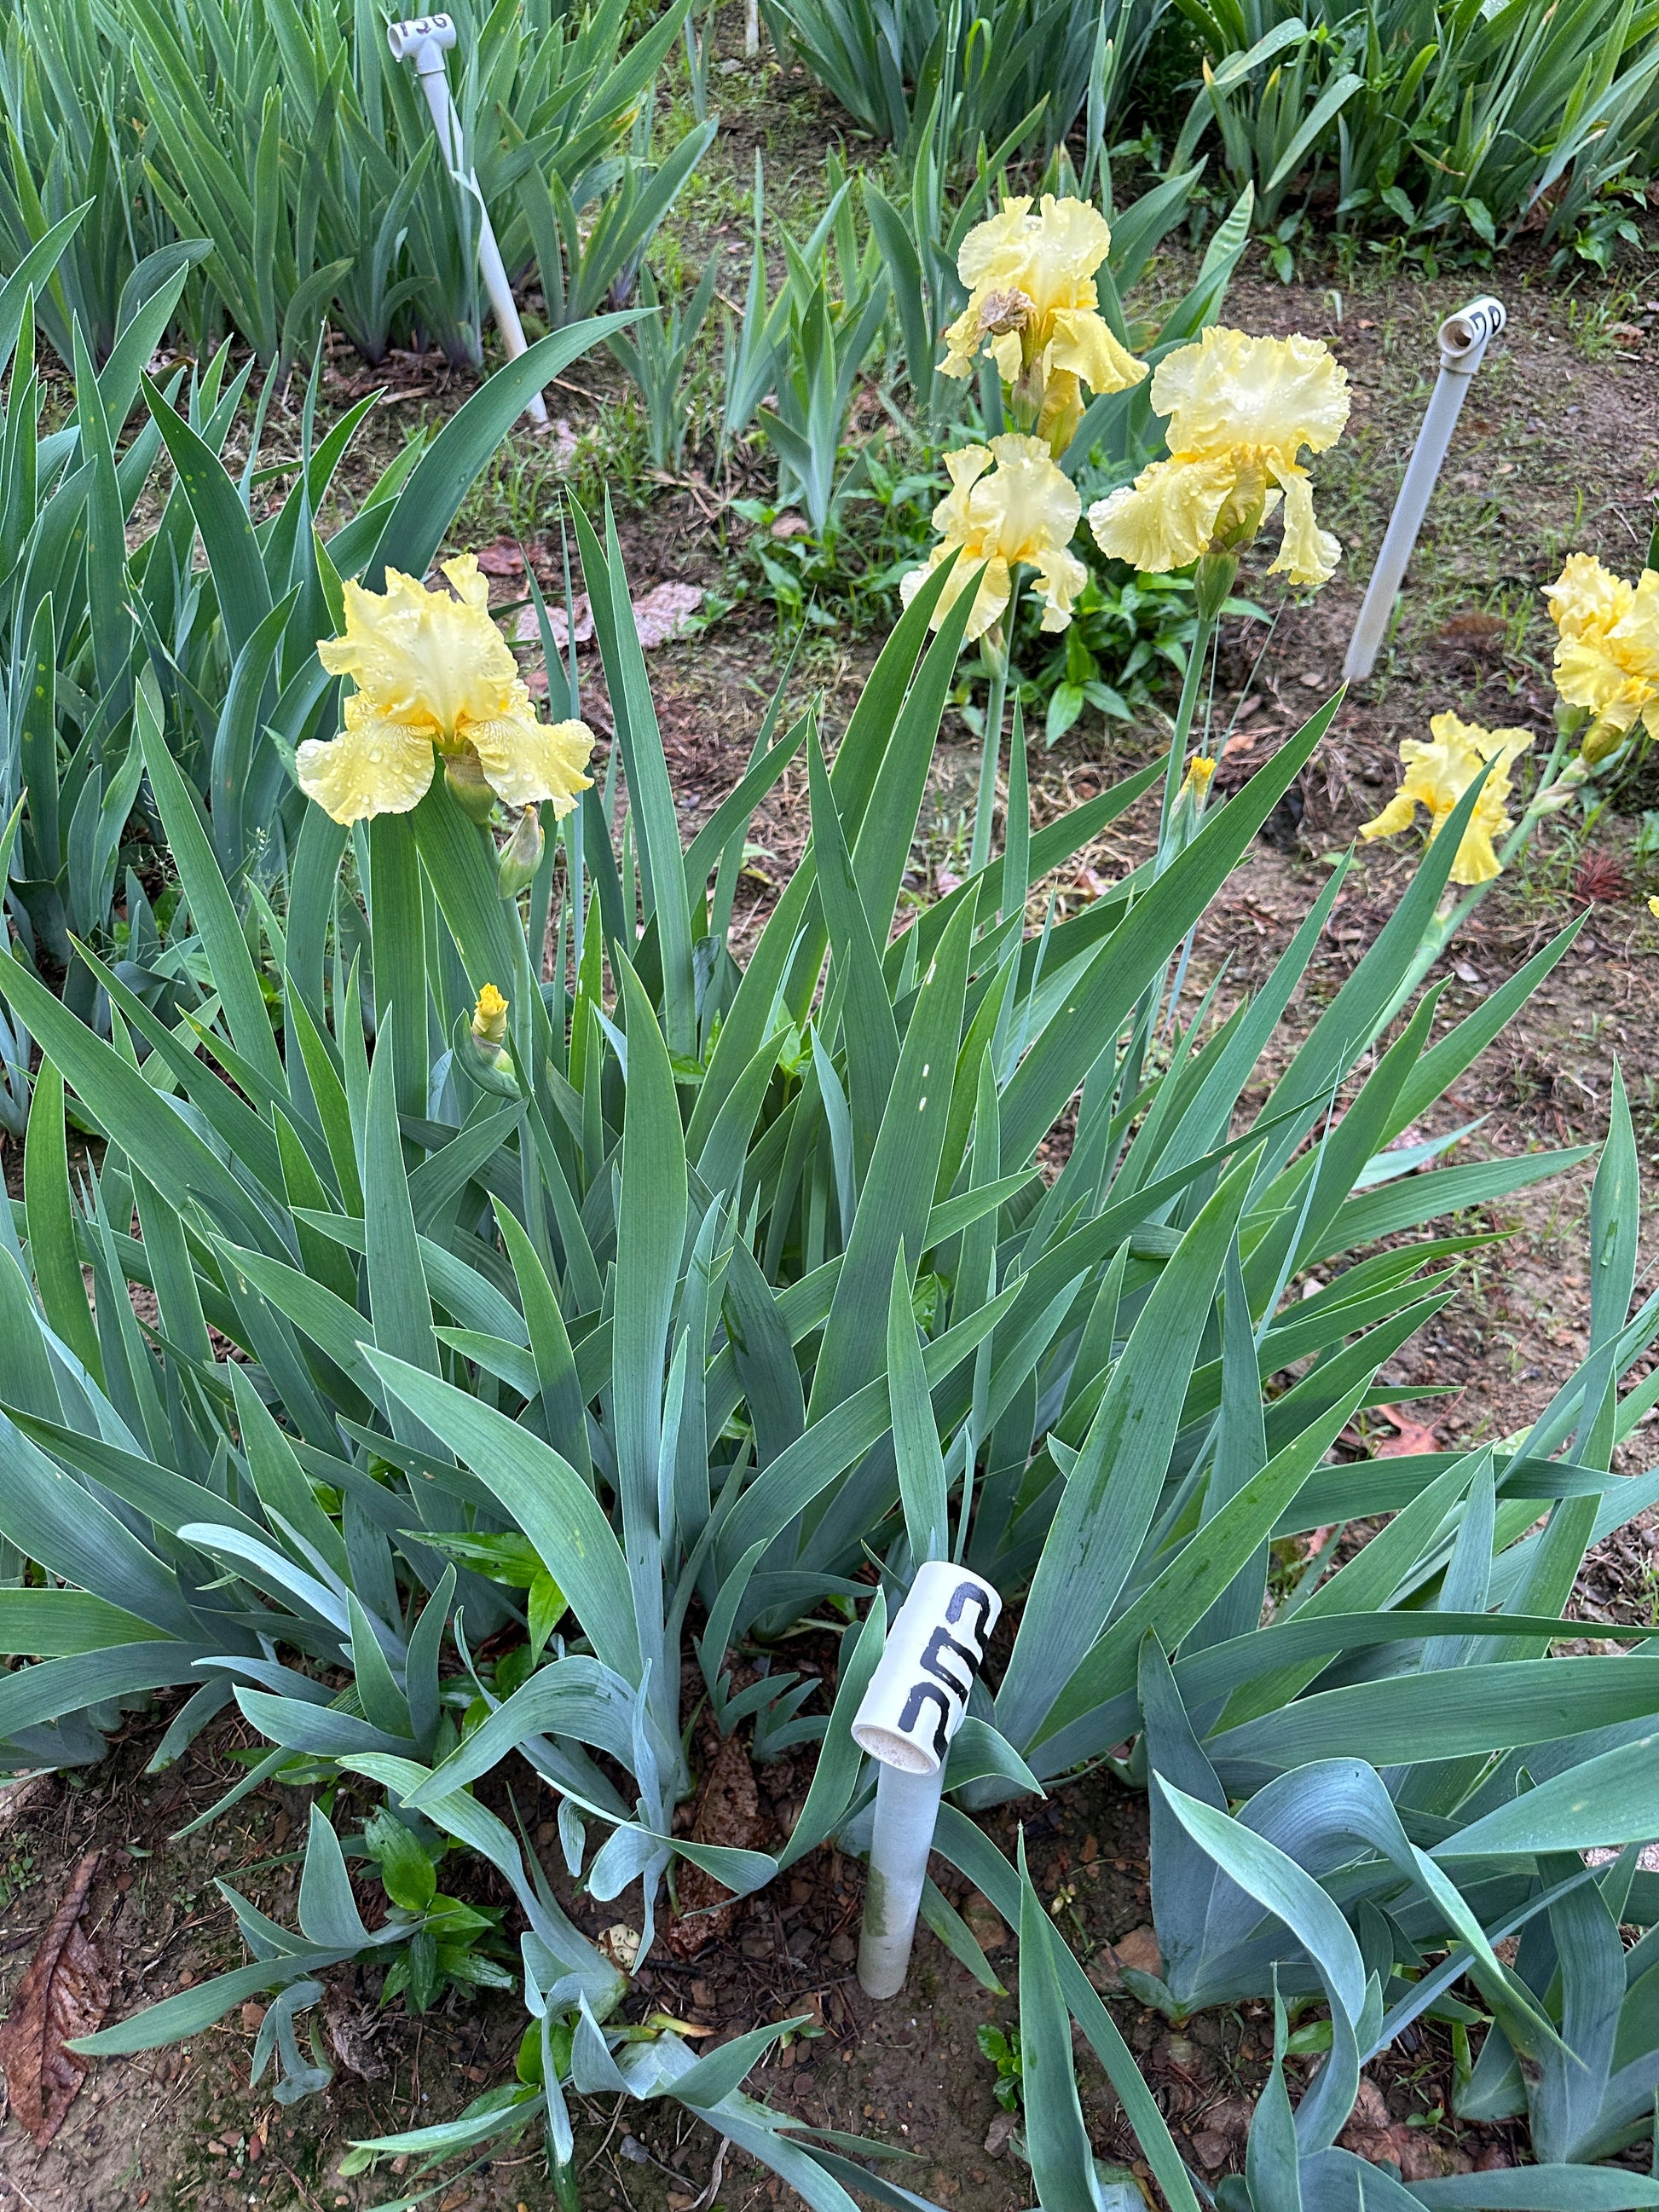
<point x="914" y="1704"/>
<point x="424" y="40"/>
<point x="1463" y="340"/>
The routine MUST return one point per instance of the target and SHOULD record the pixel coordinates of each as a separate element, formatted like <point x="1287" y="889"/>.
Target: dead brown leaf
<point x="662" y="612"/>
<point x="352" y="2031"/>
<point x="504" y="558"/>
<point x="1410" y="1437"/>
<point x="64" y="1994"/>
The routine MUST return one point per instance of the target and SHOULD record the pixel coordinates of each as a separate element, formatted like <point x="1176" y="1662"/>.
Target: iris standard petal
<point x="996" y="245"/>
<point x="1275" y="395"/>
<point x="422" y="657"/>
<point x="1587" y="599"/>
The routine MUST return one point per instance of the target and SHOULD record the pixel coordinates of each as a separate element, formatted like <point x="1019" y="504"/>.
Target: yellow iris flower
<point x="1033" y="306"/>
<point x="1240" y="409"/>
<point x="1025" y="509"/>
<point x="432" y="670"/>
<point x="1438" y="774"/>
<point x="1607" y="656"/>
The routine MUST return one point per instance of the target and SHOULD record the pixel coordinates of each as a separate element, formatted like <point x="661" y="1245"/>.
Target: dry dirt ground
<point x="1558" y="448"/>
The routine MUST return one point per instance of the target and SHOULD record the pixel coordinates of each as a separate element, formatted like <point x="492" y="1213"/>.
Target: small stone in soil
<point x="984" y="1922"/>
<point x="997" y="2134"/>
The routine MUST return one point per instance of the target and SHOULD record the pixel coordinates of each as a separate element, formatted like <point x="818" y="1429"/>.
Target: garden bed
<point x="1558" y="413"/>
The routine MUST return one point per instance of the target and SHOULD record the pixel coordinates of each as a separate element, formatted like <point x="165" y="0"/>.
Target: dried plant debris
<point x="64" y="1994"/>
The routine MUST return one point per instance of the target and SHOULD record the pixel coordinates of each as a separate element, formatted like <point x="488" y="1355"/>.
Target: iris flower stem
<point x="991" y="747"/>
<point x="1198" y="653"/>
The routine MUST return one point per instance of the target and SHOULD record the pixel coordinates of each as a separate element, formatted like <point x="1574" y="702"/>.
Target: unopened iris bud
<point x="1199" y="769"/>
<point x="1213" y="580"/>
<point x="521" y="855"/>
<point x="489" y="1017"/>
<point x="1601" y="740"/>
<point x="464" y="775"/>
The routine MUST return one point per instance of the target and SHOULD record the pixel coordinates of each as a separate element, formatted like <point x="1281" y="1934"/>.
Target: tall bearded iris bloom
<point x="1023" y="509"/>
<point x="435" y="677"/>
<point x="1240" y="409"/>
<point x="1436" y="776"/>
<point x="1033" y="308"/>
<point x="1606" y="657"/>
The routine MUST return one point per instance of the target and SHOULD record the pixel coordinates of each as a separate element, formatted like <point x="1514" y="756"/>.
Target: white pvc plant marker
<point x="914" y="1704"/>
<point x="424" y="40"/>
<point x="1463" y="340"/>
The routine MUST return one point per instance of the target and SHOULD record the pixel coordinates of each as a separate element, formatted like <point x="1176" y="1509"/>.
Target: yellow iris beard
<point x="434" y="671"/>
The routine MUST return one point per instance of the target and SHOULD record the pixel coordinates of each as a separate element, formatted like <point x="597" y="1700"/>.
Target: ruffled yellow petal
<point x="961" y="344"/>
<point x="1272" y="395"/>
<point x="422" y="657"/>
<point x="1008" y="503"/>
<point x="1084" y="343"/>
<point x="1060" y="577"/>
<point x="1477" y="860"/>
<point x="1007" y="352"/>
<point x="1586" y="599"/>
<point x="1308" y="555"/>
<point x="1029" y="503"/>
<point x="471" y="585"/>
<point x="992" y="598"/>
<point x="1069" y="240"/>
<point x="995" y="247"/>
<point x="1587" y="674"/>
<point x="1399" y="814"/>
<point x="526" y="761"/>
<point x="373" y="767"/>
<point x="1167" y="517"/>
